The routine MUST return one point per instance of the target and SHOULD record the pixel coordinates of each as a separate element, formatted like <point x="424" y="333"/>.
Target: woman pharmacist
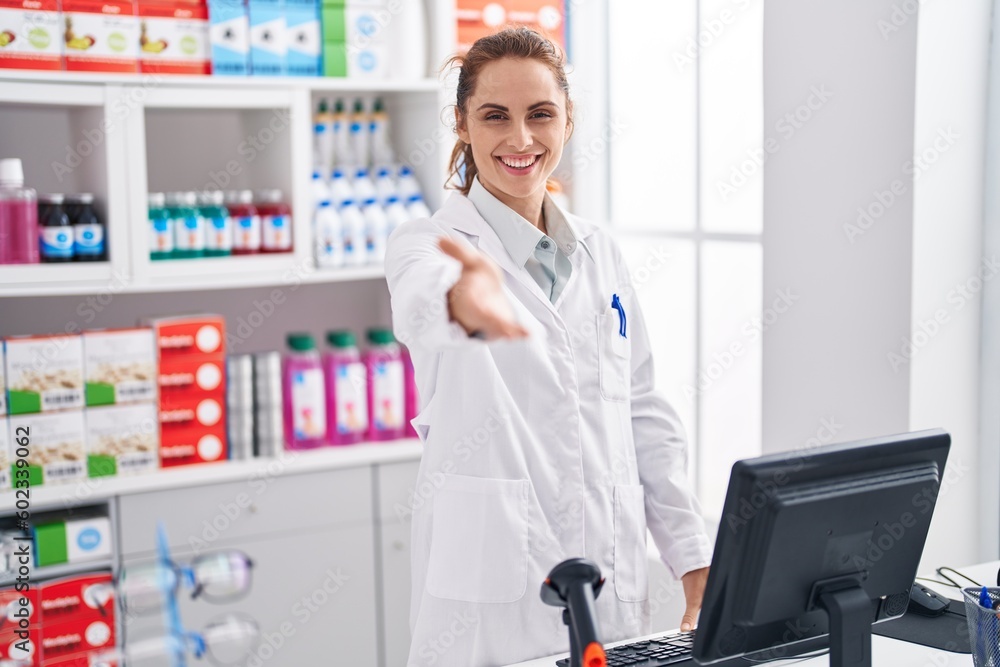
<point x="544" y="437"/>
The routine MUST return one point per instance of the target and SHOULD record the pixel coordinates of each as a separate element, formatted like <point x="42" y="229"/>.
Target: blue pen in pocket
<point x="617" y="305"/>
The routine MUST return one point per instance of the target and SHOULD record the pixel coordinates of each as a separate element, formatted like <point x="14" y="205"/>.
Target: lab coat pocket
<point x="479" y="540"/>
<point x="631" y="568"/>
<point x="615" y="355"/>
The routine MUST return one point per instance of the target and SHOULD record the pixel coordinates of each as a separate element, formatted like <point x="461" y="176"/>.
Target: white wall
<point x="825" y="359"/>
<point x="952" y="62"/>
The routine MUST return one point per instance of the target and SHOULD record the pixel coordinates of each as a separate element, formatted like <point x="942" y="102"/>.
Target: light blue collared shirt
<point x="544" y="257"/>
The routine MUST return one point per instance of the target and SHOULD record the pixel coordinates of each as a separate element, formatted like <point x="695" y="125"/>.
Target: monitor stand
<point x="850" y="612"/>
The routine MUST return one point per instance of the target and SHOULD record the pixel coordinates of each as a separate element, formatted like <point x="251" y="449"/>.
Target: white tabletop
<point x="885" y="652"/>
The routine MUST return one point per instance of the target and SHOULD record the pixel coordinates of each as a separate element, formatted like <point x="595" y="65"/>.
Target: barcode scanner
<point x="574" y="584"/>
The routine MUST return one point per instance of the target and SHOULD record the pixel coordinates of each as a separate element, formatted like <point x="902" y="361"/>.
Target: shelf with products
<point x="289" y="462"/>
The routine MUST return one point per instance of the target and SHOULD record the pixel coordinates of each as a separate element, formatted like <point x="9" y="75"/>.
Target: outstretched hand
<point x="477" y="301"/>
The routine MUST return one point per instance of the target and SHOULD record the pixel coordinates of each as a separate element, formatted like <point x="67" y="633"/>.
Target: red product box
<point x="15" y="646"/>
<point x="76" y="637"/>
<point x="84" y="660"/>
<point x="173" y="37"/>
<point x="196" y="335"/>
<point x="89" y="596"/>
<point x="185" y="446"/>
<point x="190" y="379"/>
<point x="100" y="36"/>
<point x="30" y="34"/>
<point x="12" y="611"/>
<point x="193" y="414"/>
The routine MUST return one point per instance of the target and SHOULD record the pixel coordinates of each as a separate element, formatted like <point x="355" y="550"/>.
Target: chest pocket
<point x="614" y="357"/>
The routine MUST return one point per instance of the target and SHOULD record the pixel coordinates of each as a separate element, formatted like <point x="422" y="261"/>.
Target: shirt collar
<point x="518" y="236"/>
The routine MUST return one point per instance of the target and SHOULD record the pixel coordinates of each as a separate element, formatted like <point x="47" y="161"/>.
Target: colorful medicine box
<point x="14" y="610"/>
<point x="187" y="444"/>
<point x="229" y="34"/>
<point x="303" y="38"/>
<point x="85" y="596"/>
<point x="44" y="373"/>
<point x="75" y="638"/>
<point x="56" y="450"/>
<point x="30" y="35"/>
<point x="268" y="38"/>
<point x="12" y="646"/>
<point x="100" y="36"/>
<point x="196" y="335"/>
<point x="119" y="366"/>
<point x="72" y="541"/>
<point x="173" y="37"/>
<point x="122" y="439"/>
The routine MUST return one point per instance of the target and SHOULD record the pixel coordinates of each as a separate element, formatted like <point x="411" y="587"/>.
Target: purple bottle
<point x="386" y="393"/>
<point x="346" y="390"/>
<point x="19" y="240"/>
<point x="304" y="394"/>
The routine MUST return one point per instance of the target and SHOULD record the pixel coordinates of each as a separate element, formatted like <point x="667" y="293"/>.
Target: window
<point x="685" y="89"/>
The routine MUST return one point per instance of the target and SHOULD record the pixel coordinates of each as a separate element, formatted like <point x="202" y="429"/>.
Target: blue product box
<point x="229" y="33"/>
<point x="304" y="39"/>
<point x="268" y="35"/>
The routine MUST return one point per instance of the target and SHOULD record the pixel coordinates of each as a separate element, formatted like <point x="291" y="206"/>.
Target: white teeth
<point x="519" y="163"/>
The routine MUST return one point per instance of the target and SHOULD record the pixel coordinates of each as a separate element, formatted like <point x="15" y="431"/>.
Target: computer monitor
<point x="821" y="542"/>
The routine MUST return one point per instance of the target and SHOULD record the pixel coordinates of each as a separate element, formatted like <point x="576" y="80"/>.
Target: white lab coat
<point x="536" y="450"/>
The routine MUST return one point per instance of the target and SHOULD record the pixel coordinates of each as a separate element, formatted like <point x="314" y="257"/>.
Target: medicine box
<point x="186" y="379"/>
<point x="303" y="37"/>
<point x="56" y="449"/>
<point x="18" y="605"/>
<point x="30" y="34"/>
<point x="196" y="335"/>
<point x="85" y="596"/>
<point x="268" y="38"/>
<point x="76" y="638"/>
<point x="17" y="649"/>
<point x="229" y="34"/>
<point x="354" y="38"/>
<point x="72" y="541"/>
<point x="100" y="36"/>
<point x="44" y="373"/>
<point x="185" y="443"/>
<point x="173" y="37"/>
<point x="122" y="439"/>
<point x="119" y="366"/>
<point x="6" y="454"/>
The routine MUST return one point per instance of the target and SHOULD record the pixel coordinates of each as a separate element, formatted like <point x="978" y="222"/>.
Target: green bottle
<point x="189" y="226"/>
<point x="218" y="224"/>
<point x="161" y="227"/>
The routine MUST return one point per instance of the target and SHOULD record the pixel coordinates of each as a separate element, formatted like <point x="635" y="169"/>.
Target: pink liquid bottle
<point x="346" y="390"/>
<point x="19" y="240"/>
<point x="304" y="394"/>
<point x="386" y="392"/>
<point x="410" y="388"/>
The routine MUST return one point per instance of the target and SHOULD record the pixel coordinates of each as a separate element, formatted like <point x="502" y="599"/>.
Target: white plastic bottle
<point x="355" y="238"/>
<point x="376" y="230"/>
<point x="360" y="135"/>
<point x="329" y="235"/>
<point x="363" y="187"/>
<point x="385" y="186"/>
<point x="416" y="207"/>
<point x="408" y="42"/>
<point x="395" y="213"/>
<point x="382" y="153"/>
<point x="340" y="188"/>
<point x="320" y="190"/>
<point x="406" y="184"/>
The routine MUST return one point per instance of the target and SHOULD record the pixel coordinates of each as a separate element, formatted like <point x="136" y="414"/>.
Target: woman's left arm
<point x="673" y="513"/>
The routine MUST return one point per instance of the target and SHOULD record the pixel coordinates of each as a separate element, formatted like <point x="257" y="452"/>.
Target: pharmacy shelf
<point x="173" y="276"/>
<point x="90" y="490"/>
<point x="332" y="84"/>
<point x="48" y="572"/>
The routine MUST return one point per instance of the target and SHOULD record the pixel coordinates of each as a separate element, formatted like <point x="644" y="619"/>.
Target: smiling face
<point x="517" y="124"/>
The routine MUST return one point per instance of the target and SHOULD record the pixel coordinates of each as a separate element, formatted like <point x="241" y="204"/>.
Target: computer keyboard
<point x="666" y="649"/>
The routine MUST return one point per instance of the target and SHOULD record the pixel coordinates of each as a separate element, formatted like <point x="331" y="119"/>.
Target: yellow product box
<point x="119" y="366"/>
<point x="122" y="439"/>
<point x="55" y="444"/>
<point x="44" y="373"/>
